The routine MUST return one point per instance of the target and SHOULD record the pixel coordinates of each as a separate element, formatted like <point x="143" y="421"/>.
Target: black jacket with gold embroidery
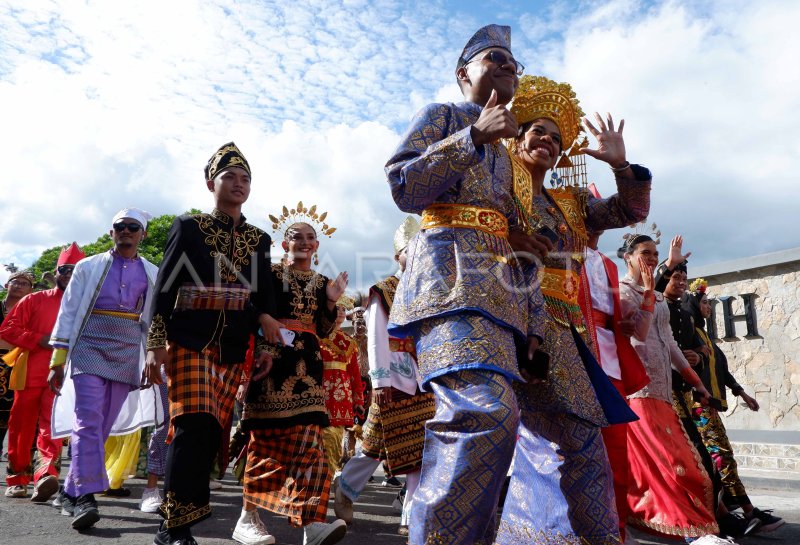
<point x="385" y="290"/>
<point x="213" y="283"/>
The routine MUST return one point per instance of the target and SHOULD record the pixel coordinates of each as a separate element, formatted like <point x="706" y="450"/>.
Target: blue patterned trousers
<point x="468" y="448"/>
<point x="561" y="488"/>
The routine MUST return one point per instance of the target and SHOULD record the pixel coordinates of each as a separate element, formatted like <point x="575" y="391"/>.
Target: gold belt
<point x="402" y="345"/>
<point x="125" y="315"/>
<point x="465" y="216"/>
<point x="561" y="284"/>
<point x="334" y="365"/>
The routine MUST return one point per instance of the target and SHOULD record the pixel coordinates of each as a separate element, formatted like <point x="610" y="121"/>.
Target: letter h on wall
<point x="749" y="316"/>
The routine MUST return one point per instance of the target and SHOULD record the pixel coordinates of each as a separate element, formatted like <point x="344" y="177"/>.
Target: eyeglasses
<point x="18" y="281"/>
<point x="132" y="227"/>
<point x="65" y="269"/>
<point x="500" y="59"/>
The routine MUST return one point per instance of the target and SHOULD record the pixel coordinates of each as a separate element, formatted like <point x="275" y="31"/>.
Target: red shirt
<point x="31" y="319"/>
<point x="341" y="377"/>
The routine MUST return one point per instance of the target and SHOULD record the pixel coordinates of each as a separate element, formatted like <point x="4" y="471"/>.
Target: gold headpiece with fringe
<point x="404" y="233"/>
<point x="539" y="97"/>
<point x="301" y="214"/>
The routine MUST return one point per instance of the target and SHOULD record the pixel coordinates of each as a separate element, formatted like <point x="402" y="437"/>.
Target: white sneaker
<point x="151" y="500"/>
<point x="16" y="491"/>
<point x="251" y="531"/>
<point x="214" y="484"/>
<point x="323" y="533"/>
<point x="711" y="539"/>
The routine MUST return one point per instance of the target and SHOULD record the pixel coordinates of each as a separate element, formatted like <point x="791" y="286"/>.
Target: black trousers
<point x="190" y="459"/>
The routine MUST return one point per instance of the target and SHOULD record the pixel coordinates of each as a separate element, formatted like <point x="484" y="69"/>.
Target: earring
<point x="316" y="259"/>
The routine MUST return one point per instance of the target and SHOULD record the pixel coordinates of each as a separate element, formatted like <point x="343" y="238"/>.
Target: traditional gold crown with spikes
<point x="699" y="285"/>
<point x="301" y="214"/>
<point x="539" y="97"/>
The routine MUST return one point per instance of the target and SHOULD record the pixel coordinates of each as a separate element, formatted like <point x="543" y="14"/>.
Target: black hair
<point x="631" y="243"/>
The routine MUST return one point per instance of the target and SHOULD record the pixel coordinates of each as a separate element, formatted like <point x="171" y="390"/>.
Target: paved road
<point x="24" y="523"/>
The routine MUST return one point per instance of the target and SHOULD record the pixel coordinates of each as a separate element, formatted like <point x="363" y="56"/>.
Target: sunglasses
<point x="133" y="227"/>
<point x="65" y="269"/>
<point x="500" y="59"/>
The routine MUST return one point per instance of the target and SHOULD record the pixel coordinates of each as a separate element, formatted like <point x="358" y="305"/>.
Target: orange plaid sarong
<point x="198" y="383"/>
<point x="287" y="473"/>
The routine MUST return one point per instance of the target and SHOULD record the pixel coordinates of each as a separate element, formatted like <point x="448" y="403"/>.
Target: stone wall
<point x="769" y="364"/>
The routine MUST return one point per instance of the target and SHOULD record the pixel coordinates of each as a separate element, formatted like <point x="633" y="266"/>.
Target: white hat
<point x="135" y="214"/>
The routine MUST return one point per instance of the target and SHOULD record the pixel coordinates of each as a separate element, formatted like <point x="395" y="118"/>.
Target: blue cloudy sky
<point x="110" y="104"/>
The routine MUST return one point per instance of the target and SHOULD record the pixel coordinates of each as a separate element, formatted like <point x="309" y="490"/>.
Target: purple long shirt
<point x="125" y="286"/>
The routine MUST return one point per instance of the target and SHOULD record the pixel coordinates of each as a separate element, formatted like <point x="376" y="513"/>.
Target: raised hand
<point x="676" y="255"/>
<point x="494" y="123"/>
<point x="646" y="272"/>
<point x="336" y="287"/>
<point x="610" y="145"/>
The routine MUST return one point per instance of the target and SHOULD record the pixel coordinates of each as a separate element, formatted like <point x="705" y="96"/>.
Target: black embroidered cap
<point x="225" y="157"/>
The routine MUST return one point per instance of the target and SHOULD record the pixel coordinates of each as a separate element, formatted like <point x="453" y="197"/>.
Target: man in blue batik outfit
<point x="462" y="298"/>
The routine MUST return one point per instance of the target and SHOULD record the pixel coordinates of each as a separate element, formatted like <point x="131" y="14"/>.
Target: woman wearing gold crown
<point x="286" y="470"/>
<point x="560" y="457"/>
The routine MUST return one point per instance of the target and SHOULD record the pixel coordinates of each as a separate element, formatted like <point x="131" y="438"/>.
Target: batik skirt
<point x="396" y="431"/>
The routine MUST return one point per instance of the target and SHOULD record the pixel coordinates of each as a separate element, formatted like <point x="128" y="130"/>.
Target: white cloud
<point x="107" y="107"/>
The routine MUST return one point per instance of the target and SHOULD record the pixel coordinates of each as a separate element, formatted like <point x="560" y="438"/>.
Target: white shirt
<point x="602" y="300"/>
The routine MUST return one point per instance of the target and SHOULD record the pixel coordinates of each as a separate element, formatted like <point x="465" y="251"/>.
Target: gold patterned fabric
<point x="468" y="448"/>
<point x="293" y="392"/>
<point x="465" y="217"/>
<point x="560" y="462"/>
<point x="465" y="341"/>
<point x="212" y="252"/>
<point x="455" y="269"/>
<point x="385" y="289"/>
<point x="486" y="37"/>
<point x="395" y="432"/>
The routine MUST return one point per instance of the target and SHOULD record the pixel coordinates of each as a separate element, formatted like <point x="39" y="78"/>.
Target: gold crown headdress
<point x="539" y="97"/>
<point x="301" y="214"/>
